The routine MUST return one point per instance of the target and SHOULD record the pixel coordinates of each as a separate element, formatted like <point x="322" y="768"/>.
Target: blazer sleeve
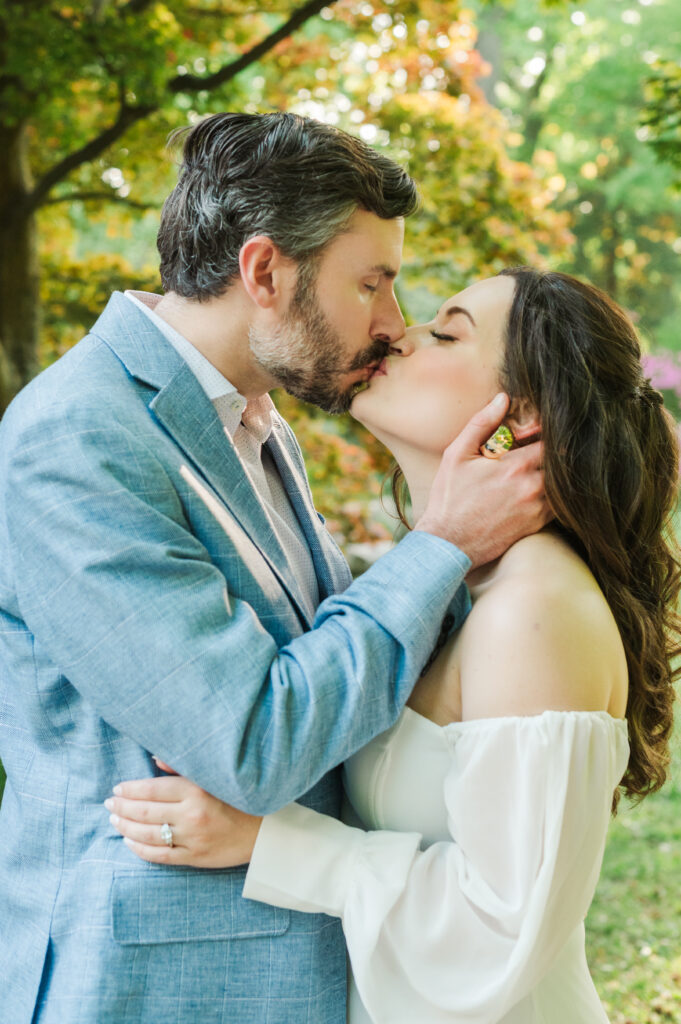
<point x="461" y="931"/>
<point x="125" y="602"/>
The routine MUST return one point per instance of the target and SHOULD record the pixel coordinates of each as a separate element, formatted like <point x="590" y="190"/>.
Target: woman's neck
<point x="419" y="468"/>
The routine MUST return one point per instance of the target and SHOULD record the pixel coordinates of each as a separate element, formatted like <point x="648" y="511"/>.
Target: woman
<point x="490" y="797"/>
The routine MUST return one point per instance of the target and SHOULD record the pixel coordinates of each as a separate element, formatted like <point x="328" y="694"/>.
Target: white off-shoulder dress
<point x="466" y="904"/>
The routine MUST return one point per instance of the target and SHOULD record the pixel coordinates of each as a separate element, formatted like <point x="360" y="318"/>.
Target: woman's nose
<point x="405" y="345"/>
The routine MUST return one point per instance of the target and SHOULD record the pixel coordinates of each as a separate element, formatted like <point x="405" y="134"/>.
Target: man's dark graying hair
<point x="291" y="178"/>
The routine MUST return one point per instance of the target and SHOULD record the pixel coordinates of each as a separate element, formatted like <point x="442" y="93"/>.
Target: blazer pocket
<point x="188" y="907"/>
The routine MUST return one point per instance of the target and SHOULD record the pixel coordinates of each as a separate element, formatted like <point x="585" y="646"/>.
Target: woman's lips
<point x="381" y="370"/>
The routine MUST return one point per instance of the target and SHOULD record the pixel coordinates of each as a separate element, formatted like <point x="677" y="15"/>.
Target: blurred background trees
<point x="572" y="84"/>
<point x="547" y="133"/>
<point x="539" y="133"/>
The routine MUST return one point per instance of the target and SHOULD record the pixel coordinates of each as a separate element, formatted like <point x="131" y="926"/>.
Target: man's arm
<point x="129" y="606"/>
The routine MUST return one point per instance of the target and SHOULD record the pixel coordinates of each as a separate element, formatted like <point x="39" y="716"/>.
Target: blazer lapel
<point x="333" y="574"/>
<point x="184" y="410"/>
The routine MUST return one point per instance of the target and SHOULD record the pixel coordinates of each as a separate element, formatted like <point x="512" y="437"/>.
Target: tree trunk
<point x="19" y="274"/>
<point x="490" y="48"/>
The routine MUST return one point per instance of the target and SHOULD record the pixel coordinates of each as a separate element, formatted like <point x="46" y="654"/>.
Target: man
<point x="162" y="565"/>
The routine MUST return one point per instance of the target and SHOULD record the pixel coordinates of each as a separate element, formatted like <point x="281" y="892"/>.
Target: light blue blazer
<point x="147" y="606"/>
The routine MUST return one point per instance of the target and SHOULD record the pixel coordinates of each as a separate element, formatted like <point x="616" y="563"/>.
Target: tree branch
<point x="109" y="197"/>
<point x="195" y="83"/>
<point x="127" y="116"/>
<point x="535" y="118"/>
<point x="237" y="12"/>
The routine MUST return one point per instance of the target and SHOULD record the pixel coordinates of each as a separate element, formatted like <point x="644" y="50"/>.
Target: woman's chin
<point x="364" y="409"/>
<point x="359" y="403"/>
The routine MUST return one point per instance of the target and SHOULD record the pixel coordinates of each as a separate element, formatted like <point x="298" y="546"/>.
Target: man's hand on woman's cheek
<point x="483" y="505"/>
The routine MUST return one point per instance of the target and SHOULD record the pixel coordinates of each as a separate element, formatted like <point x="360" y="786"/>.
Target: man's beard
<point x="305" y="353"/>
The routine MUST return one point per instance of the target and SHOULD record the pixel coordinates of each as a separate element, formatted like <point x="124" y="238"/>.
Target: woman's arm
<point x="466" y="928"/>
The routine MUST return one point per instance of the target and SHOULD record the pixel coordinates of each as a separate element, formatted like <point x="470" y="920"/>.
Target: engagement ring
<point x="167" y="835"/>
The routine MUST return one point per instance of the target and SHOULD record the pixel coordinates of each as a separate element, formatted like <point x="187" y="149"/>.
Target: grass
<point x="634" y="925"/>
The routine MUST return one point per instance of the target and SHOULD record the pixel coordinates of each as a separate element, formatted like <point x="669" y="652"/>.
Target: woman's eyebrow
<point x="451" y="310"/>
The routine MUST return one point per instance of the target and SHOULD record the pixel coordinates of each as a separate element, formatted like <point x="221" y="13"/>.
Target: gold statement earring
<point x="501" y="441"/>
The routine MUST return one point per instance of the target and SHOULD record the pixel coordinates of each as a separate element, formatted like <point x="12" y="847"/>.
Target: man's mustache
<point x="373" y="353"/>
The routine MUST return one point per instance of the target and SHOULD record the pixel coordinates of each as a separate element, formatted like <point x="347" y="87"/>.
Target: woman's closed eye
<point x="443" y="337"/>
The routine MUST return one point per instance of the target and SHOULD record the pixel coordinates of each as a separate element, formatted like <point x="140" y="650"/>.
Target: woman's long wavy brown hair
<point x="611" y="464"/>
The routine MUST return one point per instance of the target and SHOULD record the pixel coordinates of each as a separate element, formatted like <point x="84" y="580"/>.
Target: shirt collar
<point x="231" y="406"/>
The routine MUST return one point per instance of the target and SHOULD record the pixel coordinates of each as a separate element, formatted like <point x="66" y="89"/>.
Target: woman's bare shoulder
<point x="540" y="636"/>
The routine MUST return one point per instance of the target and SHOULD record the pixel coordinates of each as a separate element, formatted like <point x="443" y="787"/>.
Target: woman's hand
<point x="206" y="832"/>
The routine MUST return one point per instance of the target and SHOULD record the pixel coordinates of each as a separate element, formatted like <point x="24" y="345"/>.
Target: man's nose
<point x="389" y="324"/>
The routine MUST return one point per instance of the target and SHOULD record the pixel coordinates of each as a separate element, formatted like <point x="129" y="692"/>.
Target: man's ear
<point x="523" y="419"/>
<point x="268" y="277"/>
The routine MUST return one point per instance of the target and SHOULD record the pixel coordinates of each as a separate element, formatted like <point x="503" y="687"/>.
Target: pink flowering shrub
<point x="664" y="370"/>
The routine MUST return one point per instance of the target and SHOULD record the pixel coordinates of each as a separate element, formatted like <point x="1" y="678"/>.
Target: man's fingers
<point x="530" y="456"/>
<point x="481" y="427"/>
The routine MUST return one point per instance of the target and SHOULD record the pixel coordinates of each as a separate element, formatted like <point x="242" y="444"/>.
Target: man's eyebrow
<point x="451" y="310"/>
<point x="383" y="268"/>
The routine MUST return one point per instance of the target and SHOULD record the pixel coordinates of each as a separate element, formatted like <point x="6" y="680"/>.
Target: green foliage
<point x="663" y="113"/>
<point x="571" y="84"/>
<point x="634" y="924"/>
<point x="405" y="80"/>
<point x="74" y="295"/>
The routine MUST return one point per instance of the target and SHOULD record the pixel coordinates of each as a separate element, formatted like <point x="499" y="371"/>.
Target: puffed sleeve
<point x="463" y="930"/>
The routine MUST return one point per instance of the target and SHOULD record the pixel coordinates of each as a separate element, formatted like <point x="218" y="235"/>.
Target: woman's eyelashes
<point x="443" y="337"/>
